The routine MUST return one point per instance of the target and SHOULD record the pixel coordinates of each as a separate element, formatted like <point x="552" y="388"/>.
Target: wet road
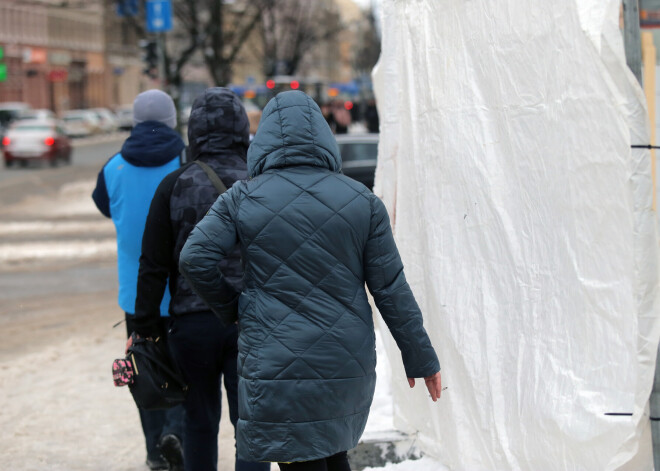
<point x="57" y="256"/>
<point x="87" y="158"/>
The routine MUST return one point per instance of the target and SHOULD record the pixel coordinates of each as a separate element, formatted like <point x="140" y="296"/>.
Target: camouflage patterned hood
<point x="218" y="124"/>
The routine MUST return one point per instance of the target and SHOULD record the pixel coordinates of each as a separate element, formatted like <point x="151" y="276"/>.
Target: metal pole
<point x="654" y="411"/>
<point x="631" y="37"/>
<point x="633" y="46"/>
<point x="160" y="39"/>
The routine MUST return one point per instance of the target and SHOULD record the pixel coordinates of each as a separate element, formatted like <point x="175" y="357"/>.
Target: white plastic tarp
<point x="525" y="224"/>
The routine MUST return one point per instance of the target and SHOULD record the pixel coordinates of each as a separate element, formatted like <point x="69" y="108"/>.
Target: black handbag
<point x="157" y="383"/>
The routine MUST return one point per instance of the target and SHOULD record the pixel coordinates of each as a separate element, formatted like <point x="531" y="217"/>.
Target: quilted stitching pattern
<point x="310" y="238"/>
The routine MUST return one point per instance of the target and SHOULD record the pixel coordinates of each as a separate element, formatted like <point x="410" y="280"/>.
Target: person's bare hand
<point x="129" y="342"/>
<point x="433" y="384"/>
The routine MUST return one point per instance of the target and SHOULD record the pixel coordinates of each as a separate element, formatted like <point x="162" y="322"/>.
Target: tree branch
<point x="193" y="29"/>
<point x="236" y="46"/>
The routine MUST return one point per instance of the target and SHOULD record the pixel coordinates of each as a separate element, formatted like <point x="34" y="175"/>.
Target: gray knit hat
<point x="154" y="105"/>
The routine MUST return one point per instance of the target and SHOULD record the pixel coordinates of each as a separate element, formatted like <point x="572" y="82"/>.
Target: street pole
<point x="633" y="47"/>
<point x="160" y="40"/>
<point x="631" y="37"/>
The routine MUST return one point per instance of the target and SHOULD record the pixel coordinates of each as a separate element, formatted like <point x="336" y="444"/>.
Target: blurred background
<point x="84" y="61"/>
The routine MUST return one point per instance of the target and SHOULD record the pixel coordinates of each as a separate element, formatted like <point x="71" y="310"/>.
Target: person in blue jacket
<point x="310" y="239"/>
<point x="124" y="189"/>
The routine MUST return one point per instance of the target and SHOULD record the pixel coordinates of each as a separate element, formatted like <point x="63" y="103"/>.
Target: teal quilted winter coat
<point x="310" y="239"/>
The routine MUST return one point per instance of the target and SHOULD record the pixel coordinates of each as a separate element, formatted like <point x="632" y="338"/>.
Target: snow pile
<point x="525" y="224"/>
<point x="73" y="200"/>
<point x="55" y="227"/>
<point x="71" y="249"/>
<point x="381" y="414"/>
<point x="424" y="464"/>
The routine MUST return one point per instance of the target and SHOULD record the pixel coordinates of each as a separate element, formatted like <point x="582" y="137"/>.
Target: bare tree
<point x="292" y="28"/>
<point x="216" y="28"/>
<point x="225" y="33"/>
<point x="368" y="49"/>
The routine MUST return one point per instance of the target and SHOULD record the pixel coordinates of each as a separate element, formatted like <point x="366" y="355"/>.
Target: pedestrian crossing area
<point x="54" y="229"/>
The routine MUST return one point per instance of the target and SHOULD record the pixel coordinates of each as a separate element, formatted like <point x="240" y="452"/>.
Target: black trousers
<point x="338" y="462"/>
<point x="156" y="423"/>
<point x="207" y="352"/>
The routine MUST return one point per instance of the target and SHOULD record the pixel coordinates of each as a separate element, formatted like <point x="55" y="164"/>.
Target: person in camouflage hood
<point x="204" y="348"/>
<point x="310" y="239"/>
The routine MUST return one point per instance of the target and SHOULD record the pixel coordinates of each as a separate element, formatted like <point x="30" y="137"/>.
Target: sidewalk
<point x="62" y="411"/>
<point x="57" y="344"/>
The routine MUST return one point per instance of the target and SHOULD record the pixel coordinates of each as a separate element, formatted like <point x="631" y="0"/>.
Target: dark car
<point x="10" y="111"/>
<point x="359" y="153"/>
<point x="30" y="140"/>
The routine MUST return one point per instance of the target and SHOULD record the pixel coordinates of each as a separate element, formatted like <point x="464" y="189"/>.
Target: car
<point x="36" y="114"/>
<point x="184" y="114"/>
<point x="80" y="123"/>
<point x="36" y="140"/>
<point x="359" y="154"/>
<point x="9" y="111"/>
<point x="107" y="119"/>
<point x="124" y="115"/>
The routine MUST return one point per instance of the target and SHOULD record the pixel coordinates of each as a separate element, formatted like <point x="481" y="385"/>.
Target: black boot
<point x="171" y="449"/>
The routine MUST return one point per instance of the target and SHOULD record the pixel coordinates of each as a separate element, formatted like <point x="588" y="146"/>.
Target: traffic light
<point x="3" y="66"/>
<point x="149" y="57"/>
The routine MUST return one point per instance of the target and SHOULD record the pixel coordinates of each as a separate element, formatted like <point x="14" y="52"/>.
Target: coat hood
<point x="218" y="123"/>
<point x="152" y="144"/>
<point x="292" y="132"/>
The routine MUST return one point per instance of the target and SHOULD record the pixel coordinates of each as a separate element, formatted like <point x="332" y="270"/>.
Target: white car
<point x="80" y="123"/>
<point x="125" y="117"/>
<point x="36" y="114"/>
<point x="107" y="119"/>
<point x="28" y="140"/>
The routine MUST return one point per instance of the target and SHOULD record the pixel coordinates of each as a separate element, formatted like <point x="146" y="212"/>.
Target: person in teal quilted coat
<point x="310" y="239"/>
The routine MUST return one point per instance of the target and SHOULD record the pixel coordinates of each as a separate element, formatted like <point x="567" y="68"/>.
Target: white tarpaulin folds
<point x="525" y="224"/>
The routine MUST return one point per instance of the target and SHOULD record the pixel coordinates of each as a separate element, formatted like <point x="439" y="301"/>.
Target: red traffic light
<point x="348" y="105"/>
<point x="270" y="84"/>
<point x="295" y="85"/>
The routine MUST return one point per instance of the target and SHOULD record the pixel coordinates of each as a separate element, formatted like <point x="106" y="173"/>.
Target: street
<point x="57" y="311"/>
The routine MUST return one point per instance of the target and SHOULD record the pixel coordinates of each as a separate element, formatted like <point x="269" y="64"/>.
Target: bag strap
<point x="163" y="365"/>
<point x="215" y="179"/>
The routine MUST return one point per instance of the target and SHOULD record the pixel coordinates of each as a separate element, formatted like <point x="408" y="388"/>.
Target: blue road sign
<point x="127" y="8"/>
<point x="159" y="16"/>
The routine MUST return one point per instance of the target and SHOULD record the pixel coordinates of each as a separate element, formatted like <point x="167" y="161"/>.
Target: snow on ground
<point x="62" y="411"/>
<point x="381" y="415"/>
<point x="71" y="249"/>
<point x="64" y="225"/>
<point x="73" y="200"/>
<point x="54" y="227"/>
<point x="424" y="464"/>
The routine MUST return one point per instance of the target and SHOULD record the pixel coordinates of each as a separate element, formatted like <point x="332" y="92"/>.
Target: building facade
<point x="75" y="54"/>
<point x="66" y="56"/>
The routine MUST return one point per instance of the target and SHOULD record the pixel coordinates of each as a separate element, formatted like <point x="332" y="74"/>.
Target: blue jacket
<point x="124" y="189"/>
<point x="310" y="239"/>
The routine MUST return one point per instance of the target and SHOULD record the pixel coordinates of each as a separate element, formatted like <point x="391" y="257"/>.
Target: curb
<point x="376" y="449"/>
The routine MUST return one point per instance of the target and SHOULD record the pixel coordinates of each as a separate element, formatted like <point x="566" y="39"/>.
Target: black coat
<point x="218" y="133"/>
